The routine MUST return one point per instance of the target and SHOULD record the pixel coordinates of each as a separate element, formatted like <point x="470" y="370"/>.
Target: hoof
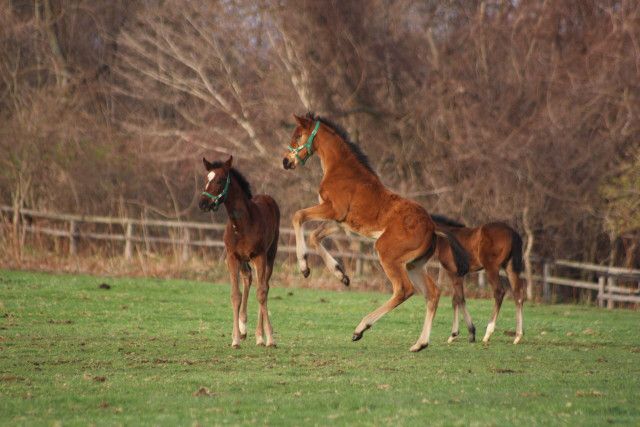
<point x="306" y="272"/>
<point x="517" y="340"/>
<point x="472" y="338"/>
<point x="418" y="347"/>
<point x="272" y="345"/>
<point x="357" y="335"/>
<point x="452" y="338"/>
<point x="235" y="345"/>
<point x="344" y="279"/>
<point x="260" y="343"/>
<point x="243" y="336"/>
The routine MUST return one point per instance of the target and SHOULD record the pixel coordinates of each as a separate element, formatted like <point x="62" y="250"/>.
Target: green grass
<point x="74" y="354"/>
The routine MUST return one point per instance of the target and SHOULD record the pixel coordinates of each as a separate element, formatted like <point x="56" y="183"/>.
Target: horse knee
<point x="457" y="300"/>
<point x="499" y="293"/>
<point x="434" y="293"/>
<point x="408" y="293"/>
<point x="403" y="294"/>
<point x="314" y="239"/>
<point x="298" y="217"/>
<point x="261" y="295"/>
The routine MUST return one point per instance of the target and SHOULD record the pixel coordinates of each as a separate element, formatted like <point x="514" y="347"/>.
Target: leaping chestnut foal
<point x="353" y="197"/>
<point x="251" y="237"/>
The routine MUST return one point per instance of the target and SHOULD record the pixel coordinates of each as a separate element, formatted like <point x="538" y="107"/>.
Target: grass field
<point x="157" y="352"/>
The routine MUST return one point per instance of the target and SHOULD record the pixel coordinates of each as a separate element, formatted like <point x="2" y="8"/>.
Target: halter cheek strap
<point x="308" y="145"/>
<point x="217" y="200"/>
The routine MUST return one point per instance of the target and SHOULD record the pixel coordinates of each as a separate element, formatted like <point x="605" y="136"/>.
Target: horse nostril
<point x="285" y="163"/>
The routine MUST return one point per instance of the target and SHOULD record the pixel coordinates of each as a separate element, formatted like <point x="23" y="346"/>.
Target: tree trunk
<point x="62" y="72"/>
<point x="527" y="251"/>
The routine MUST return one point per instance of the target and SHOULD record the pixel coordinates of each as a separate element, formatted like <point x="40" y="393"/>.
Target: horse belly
<point x="361" y="231"/>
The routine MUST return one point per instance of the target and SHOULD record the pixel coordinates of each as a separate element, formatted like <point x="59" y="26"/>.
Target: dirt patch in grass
<point x="203" y="392"/>
<point x="505" y="371"/>
<point x="589" y="393"/>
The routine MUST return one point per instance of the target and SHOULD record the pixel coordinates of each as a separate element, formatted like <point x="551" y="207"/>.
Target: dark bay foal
<point x="251" y="239"/>
<point x="491" y="247"/>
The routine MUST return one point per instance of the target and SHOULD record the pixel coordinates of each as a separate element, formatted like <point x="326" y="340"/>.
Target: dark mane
<point x="353" y="147"/>
<point x="443" y="220"/>
<point x="242" y="181"/>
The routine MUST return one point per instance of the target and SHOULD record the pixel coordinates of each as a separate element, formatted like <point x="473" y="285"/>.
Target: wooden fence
<point x="604" y="281"/>
<point x="131" y="231"/>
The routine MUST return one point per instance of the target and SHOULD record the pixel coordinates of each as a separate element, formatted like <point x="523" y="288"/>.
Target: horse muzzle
<point x="205" y="205"/>
<point x="288" y="164"/>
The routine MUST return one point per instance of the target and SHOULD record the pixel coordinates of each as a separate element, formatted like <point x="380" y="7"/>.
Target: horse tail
<point x="460" y="255"/>
<point x="516" y="252"/>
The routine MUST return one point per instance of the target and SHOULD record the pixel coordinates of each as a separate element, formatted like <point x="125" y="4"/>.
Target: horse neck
<point x="335" y="154"/>
<point x="238" y="207"/>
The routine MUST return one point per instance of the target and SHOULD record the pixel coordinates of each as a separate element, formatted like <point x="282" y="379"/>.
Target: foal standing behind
<point x="353" y="197"/>
<point x="251" y="237"/>
<point x="491" y="246"/>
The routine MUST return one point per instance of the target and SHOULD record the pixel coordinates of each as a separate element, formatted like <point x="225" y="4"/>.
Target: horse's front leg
<point x="245" y="272"/>
<point x="317" y="236"/>
<point x="323" y="211"/>
<point x="234" y="268"/>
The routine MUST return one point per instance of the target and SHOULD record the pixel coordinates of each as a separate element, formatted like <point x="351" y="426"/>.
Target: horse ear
<point x="208" y="166"/>
<point x="229" y="162"/>
<point x="302" y="121"/>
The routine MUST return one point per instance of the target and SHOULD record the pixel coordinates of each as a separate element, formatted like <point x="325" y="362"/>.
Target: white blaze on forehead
<point x="211" y="175"/>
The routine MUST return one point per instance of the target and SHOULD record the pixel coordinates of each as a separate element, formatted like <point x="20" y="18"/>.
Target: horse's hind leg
<point x="264" y="270"/>
<point x="498" y="296"/>
<point x="402" y="290"/>
<point x="245" y="272"/>
<point x="432" y="296"/>
<point x="518" y="297"/>
<point x="319" y="234"/>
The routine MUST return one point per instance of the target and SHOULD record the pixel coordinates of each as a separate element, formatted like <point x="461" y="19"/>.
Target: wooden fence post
<point x="601" y="280"/>
<point x="128" y="244"/>
<point x="611" y="282"/>
<point x="360" y="247"/>
<point x="546" y="287"/>
<point x="73" y="238"/>
<point x="185" y="245"/>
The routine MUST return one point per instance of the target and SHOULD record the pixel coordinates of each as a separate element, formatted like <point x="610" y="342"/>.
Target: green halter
<point x="220" y="197"/>
<point x="308" y="145"/>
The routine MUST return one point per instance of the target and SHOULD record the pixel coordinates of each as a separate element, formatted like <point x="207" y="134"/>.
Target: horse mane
<point x="342" y="133"/>
<point x="443" y="220"/>
<point x="242" y="181"/>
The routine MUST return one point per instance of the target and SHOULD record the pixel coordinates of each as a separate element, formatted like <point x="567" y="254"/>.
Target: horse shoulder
<point x="229" y="237"/>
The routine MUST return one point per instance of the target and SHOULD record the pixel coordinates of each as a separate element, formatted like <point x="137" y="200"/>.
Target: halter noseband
<point x="308" y="145"/>
<point x="217" y="200"/>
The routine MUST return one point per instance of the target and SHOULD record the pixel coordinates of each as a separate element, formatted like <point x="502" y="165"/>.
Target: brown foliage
<point x="483" y="110"/>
